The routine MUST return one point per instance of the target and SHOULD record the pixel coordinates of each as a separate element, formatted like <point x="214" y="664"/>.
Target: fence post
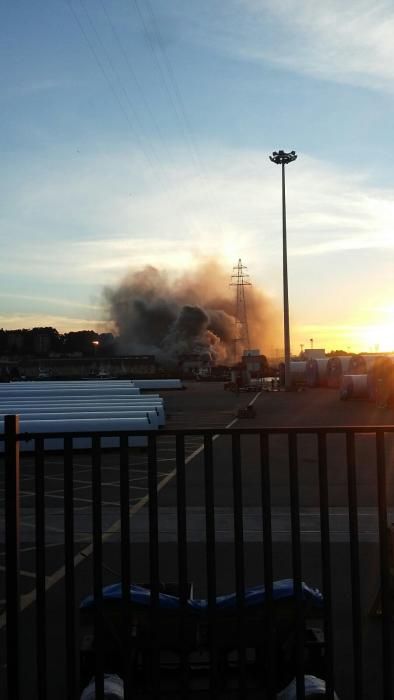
<point x="12" y="524"/>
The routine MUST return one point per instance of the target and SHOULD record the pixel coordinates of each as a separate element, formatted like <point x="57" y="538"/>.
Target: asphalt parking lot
<point x="208" y="406"/>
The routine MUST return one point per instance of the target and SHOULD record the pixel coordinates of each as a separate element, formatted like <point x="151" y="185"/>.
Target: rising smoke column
<point x="155" y="313"/>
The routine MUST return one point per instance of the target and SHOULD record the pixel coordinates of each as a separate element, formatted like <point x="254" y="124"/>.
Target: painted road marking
<point x="368" y="524"/>
<point x="53" y="579"/>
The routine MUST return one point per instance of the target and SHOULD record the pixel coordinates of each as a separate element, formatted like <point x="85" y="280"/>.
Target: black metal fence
<point x="250" y="648"/>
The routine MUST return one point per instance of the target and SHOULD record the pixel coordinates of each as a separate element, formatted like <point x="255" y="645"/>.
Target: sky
<point x="137" y="132"/>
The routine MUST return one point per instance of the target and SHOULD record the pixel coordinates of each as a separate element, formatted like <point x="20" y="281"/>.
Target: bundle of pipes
<point x="129" y="409"/>
<point x="79" y="425"/>
<point x="316" y="372"/>
<point x="60" y="413"/>
<point x="297" y="372"/>
<point x="35" y="383"/>
<point x="81" y="407"/>
<point x="39" y="390"/>
<point x="354" y="386"/>
<point x="336" y="368"/>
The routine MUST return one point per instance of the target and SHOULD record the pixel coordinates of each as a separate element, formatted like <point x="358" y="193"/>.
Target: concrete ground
<point x="209" y="406"/>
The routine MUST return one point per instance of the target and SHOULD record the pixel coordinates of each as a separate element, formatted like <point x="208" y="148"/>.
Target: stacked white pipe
<point x="81" y="407"/>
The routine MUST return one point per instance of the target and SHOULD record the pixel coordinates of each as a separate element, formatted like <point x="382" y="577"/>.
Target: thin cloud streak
<point x="328" y="210"/>
<point x="347" y="43"/>
<point x="49" y="300"/>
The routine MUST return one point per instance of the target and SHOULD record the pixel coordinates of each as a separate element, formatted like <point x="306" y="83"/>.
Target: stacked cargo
<point x="336" y="367"/>
<point x="316" y="372"/>
<point x="297" y="373"/>
<point x="81" y="406"/>
<point x="370" y="377"/>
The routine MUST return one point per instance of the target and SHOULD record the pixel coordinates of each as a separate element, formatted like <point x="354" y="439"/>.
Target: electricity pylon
<point x="241" y="331"/>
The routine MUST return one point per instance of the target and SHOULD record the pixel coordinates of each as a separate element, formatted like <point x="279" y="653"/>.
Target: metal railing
<point x="204" y="640"/>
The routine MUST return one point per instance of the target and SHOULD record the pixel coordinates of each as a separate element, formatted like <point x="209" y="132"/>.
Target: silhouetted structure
<point x="241" y="332"/>
<point x="282" y="158"/>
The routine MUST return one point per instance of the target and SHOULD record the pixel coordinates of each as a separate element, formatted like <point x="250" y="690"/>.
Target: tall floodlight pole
<point x="282" y="158"/>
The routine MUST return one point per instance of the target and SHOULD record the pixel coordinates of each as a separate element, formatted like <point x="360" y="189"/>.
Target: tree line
<point x="48" y="342"/>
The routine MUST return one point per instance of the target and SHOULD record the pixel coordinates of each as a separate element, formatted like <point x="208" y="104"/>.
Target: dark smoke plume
<point x="154" y="313"/>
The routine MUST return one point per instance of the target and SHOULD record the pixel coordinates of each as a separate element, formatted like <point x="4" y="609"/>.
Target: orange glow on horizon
<point x="373" y="337"/>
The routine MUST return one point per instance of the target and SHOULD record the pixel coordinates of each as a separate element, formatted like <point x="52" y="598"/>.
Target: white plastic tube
<point x="71" y="383"/>
<point x="37" y="408"/>
<point x="59" y="414"/>
<point x="73" y="400"/>
<point x="71" y="425"/>
<point x="63" y="391"/>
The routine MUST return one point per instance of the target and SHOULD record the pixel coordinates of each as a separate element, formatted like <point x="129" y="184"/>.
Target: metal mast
<point x="241" y="331"/>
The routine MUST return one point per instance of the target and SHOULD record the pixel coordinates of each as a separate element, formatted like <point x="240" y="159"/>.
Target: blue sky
<point x="138" y="131"/>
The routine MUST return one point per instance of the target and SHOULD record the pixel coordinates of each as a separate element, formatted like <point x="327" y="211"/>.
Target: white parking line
<point x="53" y="579"/>
<point x="28" y="574"/>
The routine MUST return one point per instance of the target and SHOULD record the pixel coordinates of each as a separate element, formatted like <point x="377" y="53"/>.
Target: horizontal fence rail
<point x="190" y="566"/>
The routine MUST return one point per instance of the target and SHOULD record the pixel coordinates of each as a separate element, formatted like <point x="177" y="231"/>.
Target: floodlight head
<point x="282" y="158"/>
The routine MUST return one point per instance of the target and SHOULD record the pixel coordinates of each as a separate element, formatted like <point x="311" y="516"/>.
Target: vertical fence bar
<point x="97" y="567"/>
<point x="211" y="560"/>
<point x="182" y="557"/>
<point x="12" y="550"/>
<point x="69" y="580"/>
<point x="296" y="560"/>
<point x="326" y="563"/>
<point x="41" y="618"/>
<point x="239" y="556"/>
<point x="269" y="647"/>
<point x="354" y="565"/>
<point x="124" y="500"/>
<point x="384" y="545"/>
<point x="154" y="563"/>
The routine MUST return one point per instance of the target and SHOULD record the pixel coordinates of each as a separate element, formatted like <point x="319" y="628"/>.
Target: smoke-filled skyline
<point x="153" y="312"/>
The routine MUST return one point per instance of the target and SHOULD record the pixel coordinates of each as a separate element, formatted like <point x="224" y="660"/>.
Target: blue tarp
<point x="253" y="596"/>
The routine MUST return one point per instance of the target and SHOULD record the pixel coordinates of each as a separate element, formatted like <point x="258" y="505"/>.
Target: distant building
<point x="83" y="367"/>
<point x="255" y="364"/>
<point x="194" y="362"/>
<point x="314" y="353"/>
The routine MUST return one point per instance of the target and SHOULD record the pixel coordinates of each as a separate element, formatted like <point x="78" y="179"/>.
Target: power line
<point x="174" y="94"/>
<point x="167" y="76"/>
<point x="107" y="78"/>
<point x="119" y="79"/>
<point x="174" y="85"/>
<point x="131" y="70"/>
<point x="165" y="80"/>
